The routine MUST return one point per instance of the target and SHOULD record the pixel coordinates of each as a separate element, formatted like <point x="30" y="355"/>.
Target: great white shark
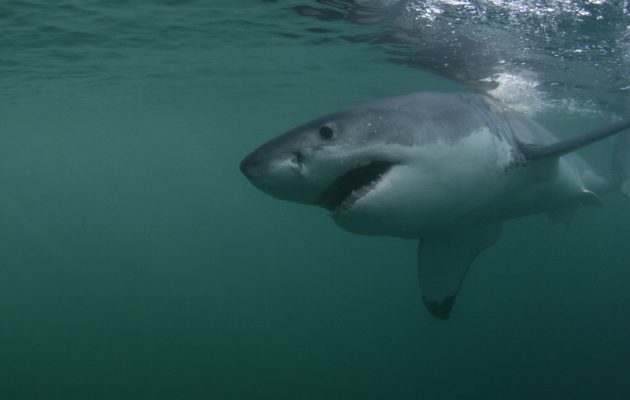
<point x="445" y="168"/>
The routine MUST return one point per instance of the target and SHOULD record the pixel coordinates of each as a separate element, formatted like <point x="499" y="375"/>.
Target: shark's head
<point x="373" y="167"/>
<point x="331" y="161"/>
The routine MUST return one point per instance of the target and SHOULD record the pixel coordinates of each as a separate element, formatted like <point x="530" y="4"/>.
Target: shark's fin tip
<point x="443" y="261"/>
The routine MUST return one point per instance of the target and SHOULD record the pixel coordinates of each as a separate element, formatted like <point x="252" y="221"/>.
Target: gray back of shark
<point x="444" y="168"/>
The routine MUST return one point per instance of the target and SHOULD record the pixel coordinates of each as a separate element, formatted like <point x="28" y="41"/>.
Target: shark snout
<point x="251" y="166"/>
<point x="282" y="174"/>
<point x="262" y="165"/>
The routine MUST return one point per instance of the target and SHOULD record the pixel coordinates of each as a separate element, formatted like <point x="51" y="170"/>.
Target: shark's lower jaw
<point x="347" y="189"/>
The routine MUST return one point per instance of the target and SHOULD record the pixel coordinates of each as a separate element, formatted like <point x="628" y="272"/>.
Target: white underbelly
<point x="458" y="184"/>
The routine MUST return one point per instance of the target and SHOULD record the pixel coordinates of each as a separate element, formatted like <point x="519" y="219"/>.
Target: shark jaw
<point x="353" y="185"/>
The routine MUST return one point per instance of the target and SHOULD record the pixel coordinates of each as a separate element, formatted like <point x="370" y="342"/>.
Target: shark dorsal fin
<point x="443" y="260"/>
<point x="562" y="147"/>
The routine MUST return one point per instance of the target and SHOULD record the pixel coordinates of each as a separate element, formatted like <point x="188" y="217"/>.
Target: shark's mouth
<point x="341" y="195"/>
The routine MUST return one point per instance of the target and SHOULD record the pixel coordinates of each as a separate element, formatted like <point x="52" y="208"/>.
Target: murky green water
<point x="137" y="262"/>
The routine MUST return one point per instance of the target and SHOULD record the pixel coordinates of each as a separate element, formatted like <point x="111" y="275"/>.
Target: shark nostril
<point x="298" y="158"/>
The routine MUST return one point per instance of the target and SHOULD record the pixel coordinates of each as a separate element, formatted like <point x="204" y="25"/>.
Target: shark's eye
<point x="326" y="132"/>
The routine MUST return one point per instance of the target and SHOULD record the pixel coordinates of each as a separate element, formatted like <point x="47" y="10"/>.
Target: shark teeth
<point x="349" y="201"/>
<point x="348" y="188"/>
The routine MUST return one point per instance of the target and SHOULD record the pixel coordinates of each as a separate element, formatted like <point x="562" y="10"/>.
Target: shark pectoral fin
<point x="562" y="147"/>
<point x="443" y="261"/>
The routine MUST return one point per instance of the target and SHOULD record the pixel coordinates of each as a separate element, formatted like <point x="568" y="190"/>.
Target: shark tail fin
<point x="621" y="162"/>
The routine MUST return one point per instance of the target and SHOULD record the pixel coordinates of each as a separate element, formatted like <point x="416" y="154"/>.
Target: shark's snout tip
<point x="243" y="166"/>
<point x="248" y="166"/>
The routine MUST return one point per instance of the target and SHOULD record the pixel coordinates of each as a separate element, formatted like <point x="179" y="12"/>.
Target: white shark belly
<point x="480" y="184"/>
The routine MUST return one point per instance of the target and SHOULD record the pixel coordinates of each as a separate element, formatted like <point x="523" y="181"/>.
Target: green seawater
<point x="136" y="262"/>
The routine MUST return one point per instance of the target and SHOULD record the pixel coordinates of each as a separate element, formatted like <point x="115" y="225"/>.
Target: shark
<point x="446" y="169"/>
